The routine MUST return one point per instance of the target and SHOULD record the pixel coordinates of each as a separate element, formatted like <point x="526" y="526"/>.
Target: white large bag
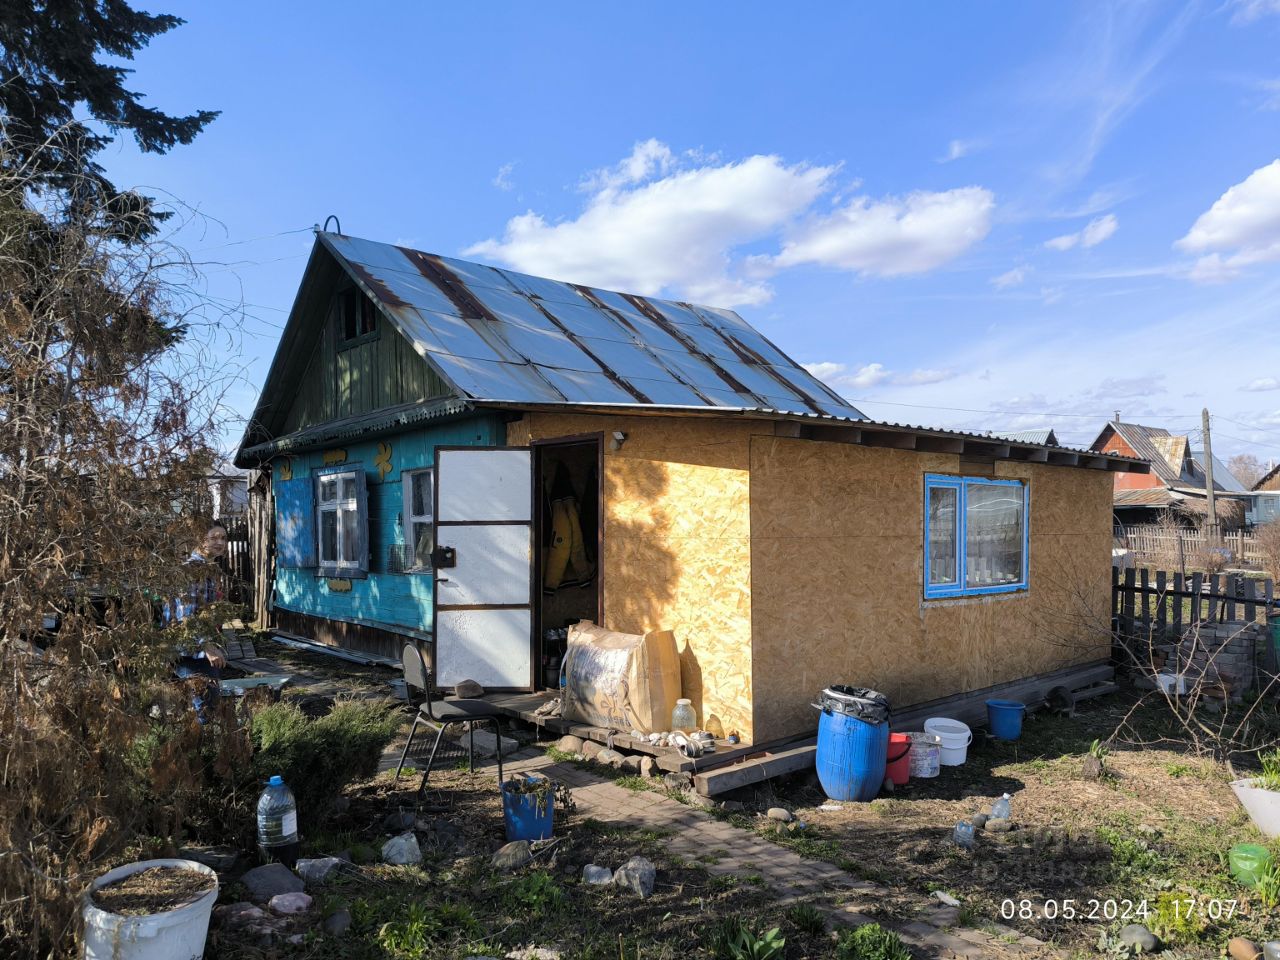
<point x="623" y="681"/>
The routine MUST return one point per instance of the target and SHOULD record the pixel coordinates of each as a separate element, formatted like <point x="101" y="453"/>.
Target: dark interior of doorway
<point x="568" y="534"/>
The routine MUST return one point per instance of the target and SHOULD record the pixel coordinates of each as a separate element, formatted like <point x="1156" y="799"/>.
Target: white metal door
<point x="483" y="603"/>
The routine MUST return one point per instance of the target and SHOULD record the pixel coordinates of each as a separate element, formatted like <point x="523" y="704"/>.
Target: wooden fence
<point x="1143" y="600"/>
<point x="1148" y="541"/>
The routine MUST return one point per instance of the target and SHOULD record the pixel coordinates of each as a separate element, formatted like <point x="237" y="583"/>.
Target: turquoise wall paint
<point x="388" y="598"/>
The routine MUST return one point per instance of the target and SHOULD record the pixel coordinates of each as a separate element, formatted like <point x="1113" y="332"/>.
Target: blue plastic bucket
<point x="1004" y="718"/>
<point x="522" y="816"/>
<point x="851" y="756"/>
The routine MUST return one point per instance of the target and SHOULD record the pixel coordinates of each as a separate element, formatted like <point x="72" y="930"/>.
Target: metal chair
<point x="445" y="713"/>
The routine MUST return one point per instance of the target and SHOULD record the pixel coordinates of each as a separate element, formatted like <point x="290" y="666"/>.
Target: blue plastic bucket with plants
<point x="528" y="807"/>
<point x="1004" y="718"/>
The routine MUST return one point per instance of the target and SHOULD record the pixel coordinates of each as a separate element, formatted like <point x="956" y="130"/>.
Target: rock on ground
<point x="534" y="953"/>
<point x="1242" y="948"/>
<point x="779" y="814"/>
<point x="239" y="914"/>
<point x="513" y="855"/>
<point x="338" y="922"/>
<point x="398" y="821"/>
<point x="317" y="871"/>
<point x="570" y="744"/>
<point x="402" y="850"/>
<point x="979" y="820"/>
<point x="946" y="898"/>
<point x="290" y="903"/>
<point x="637" y="875"/>
<point x="596" y="875"/>
<point x="266" y="881"/>
<point x="631" y="764"/>
<point x="677" y="781"/>
<point x="1136" y="935"/>
<point x="648" y="767"/>
<point x="611" y="757"/>
<point x="997" y="825"/>
<point x="590" y="748"/>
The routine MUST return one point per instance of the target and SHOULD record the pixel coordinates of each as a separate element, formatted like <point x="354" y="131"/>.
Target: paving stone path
<point x="693" y="834"/>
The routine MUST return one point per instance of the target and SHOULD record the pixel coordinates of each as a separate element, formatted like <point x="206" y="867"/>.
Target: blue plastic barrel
<point x="522" y="816"/>
<point x="1004" y="718"/>
<point x="851" y="756"/>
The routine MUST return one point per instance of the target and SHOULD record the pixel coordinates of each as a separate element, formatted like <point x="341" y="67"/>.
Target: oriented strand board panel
<point x="677" y="552"/>
<point x="836" y="581"/>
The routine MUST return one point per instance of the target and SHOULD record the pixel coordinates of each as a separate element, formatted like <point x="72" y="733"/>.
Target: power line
<point x="1013" y="413"/>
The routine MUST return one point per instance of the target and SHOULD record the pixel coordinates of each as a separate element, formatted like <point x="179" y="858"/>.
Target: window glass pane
<point x="993" y="535"/>
<point x="328" y="536"/>
<point x="350" y="304"/>
<point x="348" y="487"/>
<point x="421" y="495"/>
<point x="422" y="544"/>
<point x="350" y="535"/>
<point x="942" y="534"/>
<point x="328" y="490"/>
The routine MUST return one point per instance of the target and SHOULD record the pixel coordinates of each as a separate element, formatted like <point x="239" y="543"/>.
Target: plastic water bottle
<point x="278" y="823"/>
<point x="1000" y="809"/>
<point x="963" y="834"/>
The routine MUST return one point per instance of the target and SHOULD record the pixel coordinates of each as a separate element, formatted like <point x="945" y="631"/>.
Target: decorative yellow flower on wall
<point x="334" y="456"/>
<point x="286" y="469"/>
<point x="383" y="460"/>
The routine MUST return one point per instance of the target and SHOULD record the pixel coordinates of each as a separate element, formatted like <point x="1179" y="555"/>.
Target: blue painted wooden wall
<point x="402" y="599"/>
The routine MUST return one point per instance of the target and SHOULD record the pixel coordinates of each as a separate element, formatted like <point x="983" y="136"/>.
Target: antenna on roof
<point x="336" y="222"/>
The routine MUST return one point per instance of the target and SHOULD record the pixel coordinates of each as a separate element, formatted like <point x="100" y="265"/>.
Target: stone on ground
<point x="590" y="748"/>
<point x="780" y="814"/>
<point x="569" y="744"/>
<point x="402" y="850"/>
<point x="290" y="903"/>
<point x="317" y="871"/>
<point x="398" y="821"/>
<point x="468" y="689"/>
<point x="239" y="914"/>
<point x="637" y="875"/>
<point x="1242" y="948"/>
<point x="513" y="855"/>
<point x="677" y="781"/>
<point x="997" y="825"/>
<point x="1139" y="937"/>
<point x="338" y="922"/>
<point x="631" y="764"/>
<point x="979" y="820"/>
<point x="266" y="881"/>
<point x="534" y="953"/>
<point x="648" y="767"/>
<point x="596" y="875"/>
<point x="946" y="898"/>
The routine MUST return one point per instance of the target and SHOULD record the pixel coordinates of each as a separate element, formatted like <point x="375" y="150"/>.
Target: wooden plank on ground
<point x="744" y="774"/>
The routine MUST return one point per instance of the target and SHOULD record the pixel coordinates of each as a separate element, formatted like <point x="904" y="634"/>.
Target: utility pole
<point x="1212" y="533"/>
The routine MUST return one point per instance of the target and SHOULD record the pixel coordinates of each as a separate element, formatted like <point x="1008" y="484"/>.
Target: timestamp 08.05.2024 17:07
<point x="1112" y="909"/>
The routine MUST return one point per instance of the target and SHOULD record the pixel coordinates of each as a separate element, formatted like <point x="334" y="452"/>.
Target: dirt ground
<point x="1156" y="829"/>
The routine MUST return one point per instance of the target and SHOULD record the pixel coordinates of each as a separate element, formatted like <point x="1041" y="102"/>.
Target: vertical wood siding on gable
<point x="385" y="596"/>
<point x="378" y="373"/>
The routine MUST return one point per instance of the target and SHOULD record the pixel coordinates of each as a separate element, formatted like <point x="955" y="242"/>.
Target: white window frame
<point x="336" y="567"/>
<point x="409" y="518"/>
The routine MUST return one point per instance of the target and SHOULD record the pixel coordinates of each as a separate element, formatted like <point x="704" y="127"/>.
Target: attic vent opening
<point x="357" y="317"/>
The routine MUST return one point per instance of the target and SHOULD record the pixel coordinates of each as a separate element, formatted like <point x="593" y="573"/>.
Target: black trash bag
<point x="861" y="703"/>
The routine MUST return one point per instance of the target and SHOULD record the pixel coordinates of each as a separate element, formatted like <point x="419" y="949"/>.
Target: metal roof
<point x="503" y="336"/>
<point x="1045" y="437"/>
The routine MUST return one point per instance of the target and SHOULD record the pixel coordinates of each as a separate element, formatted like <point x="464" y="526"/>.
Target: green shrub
<point x="734" y="939"/>
<point x="871" y="942"/>
<point x="317" y="758"/>
<point x="808" y="919"/>
<point x="536" y="894"/>
<point x="1270" y="779"/>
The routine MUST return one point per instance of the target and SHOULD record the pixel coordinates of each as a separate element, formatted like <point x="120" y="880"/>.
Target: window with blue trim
<point x="975" y="536"/>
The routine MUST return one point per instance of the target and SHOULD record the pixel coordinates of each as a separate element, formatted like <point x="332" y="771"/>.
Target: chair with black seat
<point x="445" y="713"/>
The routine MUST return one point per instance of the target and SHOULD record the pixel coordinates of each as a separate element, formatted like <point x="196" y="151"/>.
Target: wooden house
<point x="476" y="458"/>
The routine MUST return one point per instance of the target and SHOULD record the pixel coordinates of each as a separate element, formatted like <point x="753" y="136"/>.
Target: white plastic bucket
<point x="172" y="935"/>
<point x="925" y="754"/>
<point x="1263" y="806"/>
<point x="955" y="737"/>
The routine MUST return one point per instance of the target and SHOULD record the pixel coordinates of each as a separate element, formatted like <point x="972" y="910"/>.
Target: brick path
<point x="693" y="834"/>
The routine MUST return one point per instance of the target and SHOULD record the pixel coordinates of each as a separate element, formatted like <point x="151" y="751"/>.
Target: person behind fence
<point x="207" y="658"/>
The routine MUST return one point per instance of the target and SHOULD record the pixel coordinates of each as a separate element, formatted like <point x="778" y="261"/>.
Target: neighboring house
<point x="1044" y="437"/>
<point x="1175" y="483"/>
<point x="228" y="495"/>
<point x="1264" y="505"/>
<point x="432" y="425"/>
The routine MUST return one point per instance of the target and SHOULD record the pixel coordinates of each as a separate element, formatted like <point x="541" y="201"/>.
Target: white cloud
<point x="1246" y="11"/>
<point x="1094" y="232"/>
<point x="824" y="370"/>
<point x="1010" y="278"/>
<point x="660" y="223"/>
<point x="1051" y="295"/>
<point x="868" y="376"/>
<point x="873" y="374"/>
<point x="502" y="179"/>
<point x="1240" y="229"/>
<point x="893" y="236"/>
<point x="923" y="377"/>
<point x="1263" y="384"/>
<point x="957" y="149"/>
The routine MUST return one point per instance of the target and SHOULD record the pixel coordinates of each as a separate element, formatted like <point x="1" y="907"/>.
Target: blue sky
<point x="980" y="215"/>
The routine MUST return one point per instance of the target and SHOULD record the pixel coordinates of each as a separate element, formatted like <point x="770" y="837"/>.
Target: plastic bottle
<point x="682" y="717"/>
<point x="1000" y="809"/>
<point x="278" y="823"/>
<point x="963" y="834"/>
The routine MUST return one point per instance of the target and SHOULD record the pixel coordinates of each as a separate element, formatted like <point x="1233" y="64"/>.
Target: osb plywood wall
<point x="836" y="580"/>
<point x="676" y="544"/>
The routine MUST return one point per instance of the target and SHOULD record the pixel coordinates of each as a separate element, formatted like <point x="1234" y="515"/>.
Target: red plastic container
<point x="898" y="761"/>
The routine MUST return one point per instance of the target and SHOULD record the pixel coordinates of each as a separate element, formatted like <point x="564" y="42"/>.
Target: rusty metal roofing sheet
<point x="497" y="335"/>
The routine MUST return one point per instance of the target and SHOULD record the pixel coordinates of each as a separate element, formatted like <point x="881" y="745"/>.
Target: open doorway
<point x="568" y="539"/>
